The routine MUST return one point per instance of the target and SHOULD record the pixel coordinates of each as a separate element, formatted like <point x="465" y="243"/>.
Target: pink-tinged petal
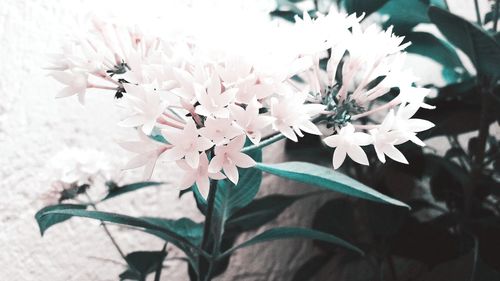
<point x="357" y="154"/>
<point x="62" y="77"/>
<point x="339" y="156"/>
<point x="148" y="169"/>
<point x="231" y="172"/>
<point x="415" y="139"/>
<point x="419" y="125"/>
<point x="201" y="110"/>
<point x="81" y="97"/>
<point x="133" y="121"/>
<point x="148" y="127"/>
<point x="187" y="180"/>
<point x="288" y="132"/>
<point x="66" y="92"/>
<point x="242" y="160"/>
<point x="388" y="121"/>
<point x="203" y="184"/>
<point x="137" y="161"/>
<point x="309" y="127"/>
<point x="217" y="176"/>
<point x="216" y="164"/>
<point x="174" y="153"/>
<point x="203" y="143"/>
<point x="395" y="154"/>
<point x="333" y="141"/>
<point x="380" y="153"/>
<point x="361" y="139"/>
<point x="193" y="159"/>
<point x="237" y="143"/>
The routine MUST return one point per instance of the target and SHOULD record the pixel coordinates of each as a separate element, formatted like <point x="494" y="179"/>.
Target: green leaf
<point x="230" y="198"/>
<point x="290" y="233"/>
<point x="428" y="45"/>
<point x="404" y="14"/>
<point x="363" y="6"/>
<point x="184" y="227"/>
<point x="44" y="222"/>
<point x="45" y="217"/>
<point x="328" y="179"/>
<point x="260" y="212"/>
<point x="119" y="190"/>
<point x="475" y="42"/>
<point x="142" y="263"/>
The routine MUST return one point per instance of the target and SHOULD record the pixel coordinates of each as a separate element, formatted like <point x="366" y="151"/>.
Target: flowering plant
<point x="210" y="103"/>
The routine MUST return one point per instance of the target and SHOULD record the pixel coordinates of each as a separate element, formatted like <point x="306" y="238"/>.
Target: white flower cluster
<point x="196" y="99"/>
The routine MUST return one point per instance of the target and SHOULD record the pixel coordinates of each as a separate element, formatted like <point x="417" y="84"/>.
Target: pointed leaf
<point x="119" y="190"/>
<point x="44" y="222"/>
<point x="474" y="41"/>
<point x="328" y="179"/>
<point x="293" y="232"/>
<point x="146" y="225"/>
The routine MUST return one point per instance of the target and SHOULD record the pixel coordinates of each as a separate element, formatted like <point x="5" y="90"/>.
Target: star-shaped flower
<point x="186" y="143"/>
<point x="229" y="157"/>
<point x="214" y="102"/>
<point x="384" y="140"/>
<point x="199" y="175"/>
<point x="250" y="120"/>
<point x="348" y="142"/>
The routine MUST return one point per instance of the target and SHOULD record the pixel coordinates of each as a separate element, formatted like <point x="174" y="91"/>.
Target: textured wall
<point x="34" y="126"/>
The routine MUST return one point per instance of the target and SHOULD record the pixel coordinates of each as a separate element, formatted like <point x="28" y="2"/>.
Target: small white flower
<point x="250" y="120"/>
<point x="214" y="102"/>
<point x="219" y="130"/>
<point x="292" y="116"/>
<point x="146" y="105"/>
<point x="186" y="143"/>
<point x="76" y="83"/>
<point x="409" y="127"/>
<point x="147" y="152"/>
<point x="228" y="157"/>
<point x="348" y="142"/>
<point x="384" y="140"/>
<point x="199" y="175"/>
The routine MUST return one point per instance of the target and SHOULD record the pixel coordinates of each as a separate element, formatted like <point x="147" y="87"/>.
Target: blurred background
<point x="34" y="126"/>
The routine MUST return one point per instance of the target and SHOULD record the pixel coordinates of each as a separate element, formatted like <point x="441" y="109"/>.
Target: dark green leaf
<point x="44" y="222"/>
<point x="142" y="263"/>
<point x="363" y="6"/>
<point x="326" y="178"/>
<point x="428" y="45"/>
<point x="119" y="190"/>
<point x="404" y="14"/>
<point x="280" y="233"/>
<point x="147" y="225"/>
<point x="184" y="227"/>
<point x="260" y="212"/>
<point x="475" y="42"/>
<point x="230" y="198"/>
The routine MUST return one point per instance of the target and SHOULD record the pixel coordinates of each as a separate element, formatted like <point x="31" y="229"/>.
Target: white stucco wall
<point x="34" y="126"/>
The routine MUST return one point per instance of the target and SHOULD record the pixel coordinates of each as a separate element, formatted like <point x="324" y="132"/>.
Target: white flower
<point x="409" y="127"/>
<point x="293" y="116"/>
<point x="384" y="140"/>
<point x="147" y="152"/>
<point x="199" y="175"/>
<point x="348" y="142"/>
<point x="219" y="130"/>
<point x="250" y="120"/>
<point x="229" y="157"/>
<point x="76" y="84"/>
<point x="146" y="105"/>
<point x="214" y="102"/>
<point x="186" y="143"/>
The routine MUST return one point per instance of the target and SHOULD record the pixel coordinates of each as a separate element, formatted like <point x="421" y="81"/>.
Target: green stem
<point x="270" y="140"/>
<point x="105" y="227"/>
<point x="207" y="229"/>
<point x="495" y="15"/>
<point x="478" y="15"/>
<point x="160" y="265"/>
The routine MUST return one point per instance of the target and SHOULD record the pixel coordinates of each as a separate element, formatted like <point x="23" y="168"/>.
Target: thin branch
<point x="478" y="15"/>
<point x="270" y="140"/>
<point x="108" y="233"/>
